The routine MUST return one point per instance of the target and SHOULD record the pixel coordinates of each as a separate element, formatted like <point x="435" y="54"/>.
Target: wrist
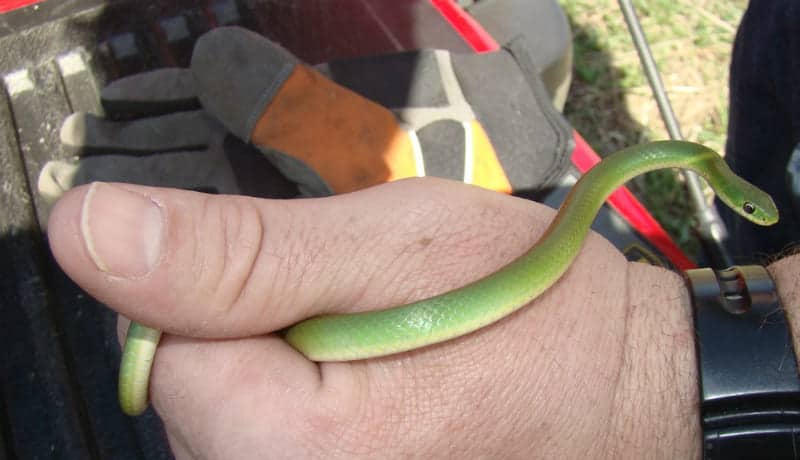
<point x="657" y="405"/>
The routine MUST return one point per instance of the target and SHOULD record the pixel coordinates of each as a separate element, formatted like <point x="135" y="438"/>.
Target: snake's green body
<point x="370" y="334"/>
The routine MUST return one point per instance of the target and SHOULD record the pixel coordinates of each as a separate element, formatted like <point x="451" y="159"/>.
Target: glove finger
<point x="207" y="171"/>
<point x="260" y="66"/>
<point x="151" y="93"/>
<point x="89" y="134"/>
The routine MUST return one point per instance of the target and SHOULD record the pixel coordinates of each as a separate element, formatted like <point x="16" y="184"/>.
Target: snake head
<point x="758" y="208"/>
<point x="741" y="196"/>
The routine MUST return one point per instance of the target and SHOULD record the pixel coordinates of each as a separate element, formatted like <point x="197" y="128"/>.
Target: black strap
<point x="749" y="385"/>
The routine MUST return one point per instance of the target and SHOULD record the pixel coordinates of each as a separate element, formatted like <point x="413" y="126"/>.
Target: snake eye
<point x="748" y="207"/>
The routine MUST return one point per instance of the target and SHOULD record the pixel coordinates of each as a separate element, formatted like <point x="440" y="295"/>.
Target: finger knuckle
<point x="232" y="232"/>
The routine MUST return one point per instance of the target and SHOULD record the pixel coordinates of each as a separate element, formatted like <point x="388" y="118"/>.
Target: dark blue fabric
<point x="764" y="124"/>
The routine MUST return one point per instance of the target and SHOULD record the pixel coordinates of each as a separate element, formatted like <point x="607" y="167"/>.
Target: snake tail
<point x="134" y="370"/>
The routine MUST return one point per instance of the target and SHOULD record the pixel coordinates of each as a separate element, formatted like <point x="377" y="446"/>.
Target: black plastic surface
<point x="749" y="381"/>
<point x="741" y="355"/>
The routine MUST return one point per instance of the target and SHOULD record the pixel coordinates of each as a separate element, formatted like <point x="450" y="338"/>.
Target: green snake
<point x="356" y="336"/>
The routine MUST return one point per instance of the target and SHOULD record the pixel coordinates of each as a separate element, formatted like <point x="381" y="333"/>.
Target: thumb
<point x="228" y="266"/>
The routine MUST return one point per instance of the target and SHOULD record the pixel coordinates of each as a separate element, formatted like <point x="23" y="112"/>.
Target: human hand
<point x="601" y="365"/>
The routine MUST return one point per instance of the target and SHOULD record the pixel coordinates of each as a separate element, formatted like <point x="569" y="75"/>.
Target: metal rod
<point x="710" y="227"/>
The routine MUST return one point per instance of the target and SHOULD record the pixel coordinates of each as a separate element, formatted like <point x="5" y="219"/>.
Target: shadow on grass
<point x="596" y="107"/>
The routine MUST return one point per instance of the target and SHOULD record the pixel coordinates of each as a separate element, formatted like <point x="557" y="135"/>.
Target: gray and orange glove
<point x="336" y="128"/>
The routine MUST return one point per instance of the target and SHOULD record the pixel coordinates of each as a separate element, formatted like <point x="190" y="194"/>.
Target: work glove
<point x="155" y="132"/>
<point x="384" y="118"/>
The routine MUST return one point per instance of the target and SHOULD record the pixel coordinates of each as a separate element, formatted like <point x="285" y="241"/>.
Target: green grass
<point x="610" y="102"/>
